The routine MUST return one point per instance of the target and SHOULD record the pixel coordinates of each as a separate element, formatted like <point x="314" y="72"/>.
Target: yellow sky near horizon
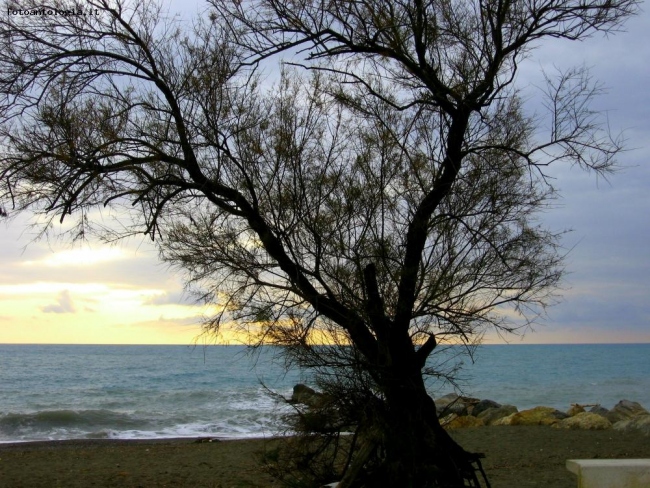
<point x="62" y="312"/>
<point x="97" y="294"/>
<point x="94" y="295"/>
<point x="115" y="295"/>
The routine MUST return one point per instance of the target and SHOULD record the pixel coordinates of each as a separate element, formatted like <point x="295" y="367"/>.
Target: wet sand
<point x="516" y="457"/>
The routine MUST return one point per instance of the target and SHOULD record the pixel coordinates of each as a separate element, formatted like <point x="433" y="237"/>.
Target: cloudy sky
<point x="51" y="292"/>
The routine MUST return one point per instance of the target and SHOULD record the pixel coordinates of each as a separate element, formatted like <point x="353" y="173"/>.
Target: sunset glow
<point x="53" y="292"/>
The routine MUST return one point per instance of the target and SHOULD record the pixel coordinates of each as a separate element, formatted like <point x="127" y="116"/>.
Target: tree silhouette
<point x="381" y="202"/>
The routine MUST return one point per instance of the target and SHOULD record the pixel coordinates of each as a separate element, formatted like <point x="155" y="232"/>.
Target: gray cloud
<point x="609" y="265"/>
<point x="141" y="270"/>
<point x="608" y="278"/>
<point x="174" y="297"/>
<point x="64" y="304"/>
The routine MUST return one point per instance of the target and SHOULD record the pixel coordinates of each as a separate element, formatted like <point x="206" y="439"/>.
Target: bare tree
<point x="383" y="203"/>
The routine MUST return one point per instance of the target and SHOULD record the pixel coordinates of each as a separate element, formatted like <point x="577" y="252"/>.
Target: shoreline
<point x="92" y="442"/>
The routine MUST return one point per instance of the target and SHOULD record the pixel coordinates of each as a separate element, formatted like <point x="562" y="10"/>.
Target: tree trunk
<point x="417" y="451"/>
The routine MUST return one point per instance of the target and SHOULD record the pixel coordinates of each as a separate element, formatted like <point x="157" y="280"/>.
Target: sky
<point x="52" y="292"/>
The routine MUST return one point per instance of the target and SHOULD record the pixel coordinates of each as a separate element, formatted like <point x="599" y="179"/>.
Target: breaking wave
<point x="67" y="424"/>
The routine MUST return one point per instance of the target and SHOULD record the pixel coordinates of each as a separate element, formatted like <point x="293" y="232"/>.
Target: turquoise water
<point x="62" y="392"/>
<point x="558" y="375"/>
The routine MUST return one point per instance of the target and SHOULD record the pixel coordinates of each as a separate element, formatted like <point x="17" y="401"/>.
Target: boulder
<point x="447" y="419"/>
<point x="623" y="425"/>
<point x="575" y="409"/>
<point x="533" y="416"/>
<point x="491" y="415"/>
<point x="451" y="403"/>
<point x="504" y="420"/>
<point x="446" y="399"/>
<point x="307" y="396"/>
<point x="470" y="404"/>
<point x="625" y="410"/>
<point x="584" y="421"/>
<point x="459" y="408"/>
<point x="640" y="423"/>
<point x="599" y="410"/>
<point x="463" y="422"/>
<point x="484" y="405"/>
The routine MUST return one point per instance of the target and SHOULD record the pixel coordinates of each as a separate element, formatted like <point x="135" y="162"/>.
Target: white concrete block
<point x="611" y="473"/>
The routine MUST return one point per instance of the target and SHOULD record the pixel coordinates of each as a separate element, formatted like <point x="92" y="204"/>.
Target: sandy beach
<point x="516" y="457"/>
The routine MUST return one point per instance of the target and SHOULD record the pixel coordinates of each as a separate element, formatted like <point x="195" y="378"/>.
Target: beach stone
<point x="470" y="403"/>
<point x="533" y="416"/>
<point x="625" y="409"/>
<point x="491" y="415"/>
<point x="307" y="396"/>
<point x="448" y="398"/>
<point x="599" y="410"/>
<point x="202" y="440"/>
<point x="451" y="403"/>
<point x="640" y="423"/>
<point x="445" y="400"/>
<point x="459" y="408"/>
<point x="484" y="405"/>
<point x="504" y="420"/>
<point x="447" y="419"/>
<point x="622" y="425"/>
<point x="575" y="409"/>
<point x="584" y="421"/>
<point x="463" y="422"/>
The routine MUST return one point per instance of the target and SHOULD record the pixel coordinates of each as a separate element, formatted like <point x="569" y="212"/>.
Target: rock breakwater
<point x="457" y="412"/>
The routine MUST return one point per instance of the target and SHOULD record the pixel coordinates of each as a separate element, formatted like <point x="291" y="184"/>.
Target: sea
<point x="53" y="392"/>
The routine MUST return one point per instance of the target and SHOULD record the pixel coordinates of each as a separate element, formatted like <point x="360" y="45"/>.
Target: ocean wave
<point x="107" y="424"/>
<point x="170" y="391"/>
<point x="12" y="424"/>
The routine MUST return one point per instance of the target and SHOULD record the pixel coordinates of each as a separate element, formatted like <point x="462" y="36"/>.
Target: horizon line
<point x="276" y="345"/>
